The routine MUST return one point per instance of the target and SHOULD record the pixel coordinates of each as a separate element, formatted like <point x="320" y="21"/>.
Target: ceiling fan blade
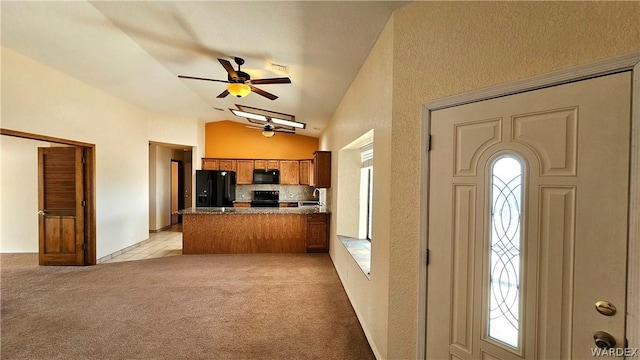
<point x="223" y="94"/>
<point x="199" y="78"/>
<point x="269" y="96"/>
<point x="227" y="66"/>
<point x="280" y="80"/>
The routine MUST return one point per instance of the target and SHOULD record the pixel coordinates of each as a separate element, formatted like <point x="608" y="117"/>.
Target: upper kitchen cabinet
<point x="289" y="172"/>
<point x="244" y="174"/>
<point x="228" y="164"/>
<point x="267" y="164"/>
<point x="321" y="169"/>
<point x="210" y="164"/>
<point x="306" y="168"/>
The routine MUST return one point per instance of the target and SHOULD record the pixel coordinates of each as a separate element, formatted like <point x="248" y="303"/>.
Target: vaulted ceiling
<point x="135" y="50"/>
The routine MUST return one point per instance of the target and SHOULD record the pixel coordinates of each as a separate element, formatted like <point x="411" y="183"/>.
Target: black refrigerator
<point x="215" y="188"/>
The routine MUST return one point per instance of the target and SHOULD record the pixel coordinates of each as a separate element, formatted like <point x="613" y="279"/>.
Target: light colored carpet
<point x="259" y="306"/>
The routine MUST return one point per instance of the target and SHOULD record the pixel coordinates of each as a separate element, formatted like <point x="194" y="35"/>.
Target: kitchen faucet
<point x="316" y="194"/>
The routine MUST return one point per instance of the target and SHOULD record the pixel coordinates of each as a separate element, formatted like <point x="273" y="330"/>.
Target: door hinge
<point x="427" y="256"/>
<point x="84" y="246"/>
<point x="84" y="203"/>
<point x="84" y="160"/>
<point x="429" y="144"/>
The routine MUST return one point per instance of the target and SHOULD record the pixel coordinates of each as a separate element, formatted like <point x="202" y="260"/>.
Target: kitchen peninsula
<point x="229" y="230"/>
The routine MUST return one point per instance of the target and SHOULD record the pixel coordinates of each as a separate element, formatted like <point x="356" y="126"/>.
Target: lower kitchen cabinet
<point x="318" y="232"/>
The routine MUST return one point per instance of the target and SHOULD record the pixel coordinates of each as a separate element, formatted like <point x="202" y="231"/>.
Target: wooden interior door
<point x="528" y="219"/>
<point x="62" y="208"/>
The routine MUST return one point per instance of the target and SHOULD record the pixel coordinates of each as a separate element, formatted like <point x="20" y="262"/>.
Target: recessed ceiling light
<point x="287" y="123"/>
<point x="249" y="115"/>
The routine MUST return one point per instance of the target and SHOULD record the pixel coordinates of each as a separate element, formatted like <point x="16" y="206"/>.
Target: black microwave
<point x="269" y="176"/>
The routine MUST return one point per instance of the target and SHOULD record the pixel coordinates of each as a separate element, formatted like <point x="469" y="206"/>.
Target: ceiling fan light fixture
<point x="268" y="132"/>
<point x="238" y="89"/>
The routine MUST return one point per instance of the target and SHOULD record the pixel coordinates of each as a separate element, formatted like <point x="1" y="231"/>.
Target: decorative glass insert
<point x="505" y="273"/>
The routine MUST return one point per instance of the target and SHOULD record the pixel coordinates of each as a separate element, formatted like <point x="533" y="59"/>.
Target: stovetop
<point x="266" y="195"/>
<point x="265" y="198"/>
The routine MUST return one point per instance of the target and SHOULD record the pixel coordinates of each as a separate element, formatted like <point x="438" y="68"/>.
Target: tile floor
<point x="161" y="244"/>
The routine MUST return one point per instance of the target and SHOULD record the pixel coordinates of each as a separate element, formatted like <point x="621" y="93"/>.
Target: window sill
<point x="360" y="250"/>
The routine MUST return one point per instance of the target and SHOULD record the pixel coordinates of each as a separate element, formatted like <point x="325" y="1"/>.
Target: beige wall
<point x="38" y="99"/>
<point x="441" y="49"/>
<point x="366" y="106"/>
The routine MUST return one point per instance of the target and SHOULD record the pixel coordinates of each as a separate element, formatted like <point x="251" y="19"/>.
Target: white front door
<point x="528" y="222"/>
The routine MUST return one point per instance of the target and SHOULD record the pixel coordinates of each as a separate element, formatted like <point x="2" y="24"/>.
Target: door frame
<point x="90" y="185"/>
<point x="629" y="62"/>
<point x="179" y="189"/>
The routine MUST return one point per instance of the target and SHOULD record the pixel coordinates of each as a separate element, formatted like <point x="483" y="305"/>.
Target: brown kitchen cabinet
<point x="321" y="169"/>
<point x="242" y="204"/>
<point x="244" y="175"/>
<point x="318" y="232"/>
<point x="210" y="164"/>
<point x="228" y="164"/>
<point x="306" y="167"/>
<point x="267" y="164"/>
<point x="288" y="204"/>
<point x="289" y="172"/>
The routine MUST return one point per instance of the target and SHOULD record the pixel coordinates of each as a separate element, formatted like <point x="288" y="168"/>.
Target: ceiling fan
<point x="269" y="130"/>
<point x="240" y="83"/>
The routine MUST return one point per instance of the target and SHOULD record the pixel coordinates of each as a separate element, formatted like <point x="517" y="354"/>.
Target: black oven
<point x="265" y="198"/>
<point x="270" y="176"/>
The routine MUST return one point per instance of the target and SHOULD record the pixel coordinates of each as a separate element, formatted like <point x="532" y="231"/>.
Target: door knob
<point x="40" y="212"/>
<point x="604" y="340"/>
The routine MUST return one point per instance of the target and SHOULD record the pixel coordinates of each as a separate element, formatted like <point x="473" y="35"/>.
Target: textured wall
<point x="366" y="106"/>
<point x="447" y="48"/>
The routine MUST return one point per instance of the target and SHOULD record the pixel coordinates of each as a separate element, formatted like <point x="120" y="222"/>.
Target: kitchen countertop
<point x="254" y="210"/>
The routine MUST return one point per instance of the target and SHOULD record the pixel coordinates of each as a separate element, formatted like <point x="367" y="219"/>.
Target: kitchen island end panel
<point x="243" y="233"/>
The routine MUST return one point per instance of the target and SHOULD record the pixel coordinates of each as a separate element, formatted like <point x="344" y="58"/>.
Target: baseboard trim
<point x="122" y="251"/>
<point x="161" y="229"/>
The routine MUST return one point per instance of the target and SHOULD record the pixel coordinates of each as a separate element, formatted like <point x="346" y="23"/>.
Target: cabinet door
<point x="210" y="164"/>
<point x="244" y="175"/>
<point x="322" y="169"/>
<point x="273" y="164"/>
<point x="317" y="233"/>
<point x="242" y="204"/>
<point x="227" y="164"/>
<point x="260" y="164"/>
<point x="289" y="172"/>
<point x="305" y="169"/>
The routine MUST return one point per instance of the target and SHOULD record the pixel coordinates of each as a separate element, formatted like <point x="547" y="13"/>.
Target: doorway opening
<point x="54" y="246"/>
<point x="170" y="184"/>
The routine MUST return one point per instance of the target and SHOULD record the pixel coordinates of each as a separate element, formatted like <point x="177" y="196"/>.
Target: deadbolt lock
<point x="605" y="308"/>
<point x="604" y="340"/>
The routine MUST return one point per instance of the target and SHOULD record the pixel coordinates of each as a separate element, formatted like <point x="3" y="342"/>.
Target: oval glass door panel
<point x="504" y="252"/>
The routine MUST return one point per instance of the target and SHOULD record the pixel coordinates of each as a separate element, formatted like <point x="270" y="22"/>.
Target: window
<point x="504" y="251"/>
<point x="366" y="190"/>
<point x="354" y="199"/>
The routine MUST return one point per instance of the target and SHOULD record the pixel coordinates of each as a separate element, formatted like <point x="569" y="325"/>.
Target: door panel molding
<point x="629" y="62"/>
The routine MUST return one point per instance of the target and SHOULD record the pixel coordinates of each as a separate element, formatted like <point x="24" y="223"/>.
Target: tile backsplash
<point x="287" y="192"/>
